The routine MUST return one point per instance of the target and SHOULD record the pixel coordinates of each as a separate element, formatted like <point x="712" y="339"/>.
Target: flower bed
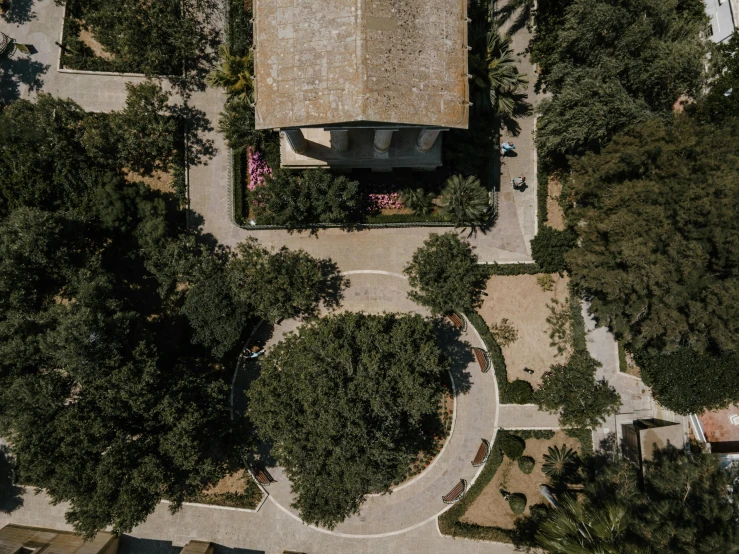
<point x="257" y="168"/>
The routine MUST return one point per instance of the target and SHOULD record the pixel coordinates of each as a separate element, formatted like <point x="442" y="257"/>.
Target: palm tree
<point x="558" y="461"/>
<point x="235" y="74"/>
<point x="465" y="200"/>
<point x="576" y="528"/>
<point x="418" y="200"/>
<point x="495" y="77"/>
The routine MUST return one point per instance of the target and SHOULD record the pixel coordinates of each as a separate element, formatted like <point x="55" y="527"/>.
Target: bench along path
<point x="419" y="499"/>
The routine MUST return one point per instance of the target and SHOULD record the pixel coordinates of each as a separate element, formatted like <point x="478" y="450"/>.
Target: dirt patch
<point x="522" y="301"/>
<point x="490" y="509"/>
<point x="159" y="180"/>
<point x="233" y="483"/>
<point x="90" y="41"/>
<point x="555" y="215"/>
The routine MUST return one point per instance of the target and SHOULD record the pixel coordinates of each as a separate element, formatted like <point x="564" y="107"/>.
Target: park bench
<point x="456" y="493"/>
<point x="262" y="476"/>
<point x="482" y="358"/>
<point x="482" y="454"/>
<point x="457" y="320"/>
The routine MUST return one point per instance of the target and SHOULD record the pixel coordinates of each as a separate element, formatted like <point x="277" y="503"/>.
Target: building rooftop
<point x="340" y="61"/>
<point x="721" y="428"/>
<point x="14" y="538"/>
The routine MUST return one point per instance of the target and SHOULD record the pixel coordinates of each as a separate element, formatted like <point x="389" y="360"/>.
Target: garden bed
<point x="524" y="303"/>
<point x="235" y="490"/>
<point x="555" y="214"/>
<point x="490" y="509"/>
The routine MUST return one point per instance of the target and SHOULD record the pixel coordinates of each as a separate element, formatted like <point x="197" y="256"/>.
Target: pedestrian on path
<point x="519" y="182"/>
<point x="253" y="353"/>
<point x="506" y="147"/>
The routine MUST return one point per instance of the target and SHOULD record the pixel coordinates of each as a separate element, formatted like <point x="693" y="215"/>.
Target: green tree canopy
<point x="686" y="503"/>
<point x="721" y="101"/>
<point x="611" y="63"/>
<point x="284" y="284"/>
<point x="445" y="274"/>
<point x="572" y="390"/>
<point x="659" y="240"/>
<point x="343" y="403"/>
<point x="312" y="197"/>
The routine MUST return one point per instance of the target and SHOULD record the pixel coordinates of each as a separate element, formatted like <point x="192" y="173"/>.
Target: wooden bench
<point x="262" y="476"/>
<point x="456" y="493"/>
<point x="482" y="454"/>
<point x="482" y="358"/>
<point x="457" y="320"/>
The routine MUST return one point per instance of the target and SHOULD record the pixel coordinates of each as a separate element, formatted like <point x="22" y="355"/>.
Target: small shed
<point x="640" y="438"/>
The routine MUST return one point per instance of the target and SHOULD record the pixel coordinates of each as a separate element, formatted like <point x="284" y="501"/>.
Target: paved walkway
<point x="636" y="397"/>
<point x="419" y="500"/>
<point x="526" y="416"/>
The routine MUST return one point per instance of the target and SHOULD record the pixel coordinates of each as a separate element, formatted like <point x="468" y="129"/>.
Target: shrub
<point x="444" y="275"/>
<point x="526" y="464"/>
<point x="511" y="445"/>
<point x="545" y="282"/>
<point x="520" y="392"/>
<point x="559" y="462"/>
<point x="549" y="246"/>
<point x="418" y="200"/>
<point x="466" y="201"/>
<point x="517" y="502"/>
<point x="504" y="332"/>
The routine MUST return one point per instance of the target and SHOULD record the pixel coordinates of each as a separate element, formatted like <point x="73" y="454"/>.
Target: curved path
<point x="419" y="501"/>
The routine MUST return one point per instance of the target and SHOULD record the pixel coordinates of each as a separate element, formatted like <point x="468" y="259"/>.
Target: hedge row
<point x="449" y="523"/>
<point x="406" y="218"/>
<point x="537" y="434"/>
<point x="579" y="342"/>
<point x="512" y="269"/>
<point x="542" y="194"/>
<point x="508" y="392"/>
<point x="240" y="198"/>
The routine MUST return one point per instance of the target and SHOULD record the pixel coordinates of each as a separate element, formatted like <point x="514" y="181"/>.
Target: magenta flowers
<point x="390" y="201"/>
<point x="257" y="167"/>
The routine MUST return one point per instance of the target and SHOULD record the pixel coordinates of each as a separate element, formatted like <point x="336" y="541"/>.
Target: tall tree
<point x="659" y="240"/>
<point x="572" y="390"/>
<point x="343" y="403"/>
<point x="445" y="274"/>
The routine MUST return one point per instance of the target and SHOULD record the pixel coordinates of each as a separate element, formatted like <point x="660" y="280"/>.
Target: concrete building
<point x="361" y="83"/>
<point x="642" y="436"/>
<point x="724" y="16"/>
<point x="18" y="539"/>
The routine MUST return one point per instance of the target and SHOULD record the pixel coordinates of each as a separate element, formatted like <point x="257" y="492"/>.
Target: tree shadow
<point x="334" y="284"/>
<point x="519" y="11"/>
<point x="194" y="124"/>
<point x="458" y="353"/>
<point x="15" y="72"/>
<point x="523" y="108"/>
<point x="17" y="11"/>
<point x="11" y="496"/>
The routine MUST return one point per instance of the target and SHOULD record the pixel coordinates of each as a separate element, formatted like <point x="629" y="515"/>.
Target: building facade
<point x="723" y="15"/>
<point x="361" y="83"/>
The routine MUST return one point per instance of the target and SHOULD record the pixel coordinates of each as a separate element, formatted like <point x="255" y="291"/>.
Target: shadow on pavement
<point x="17" y="71"/>
<point x="11" y="497"/>
<point x="17" y="11"/>
<point x="459" y="354"/>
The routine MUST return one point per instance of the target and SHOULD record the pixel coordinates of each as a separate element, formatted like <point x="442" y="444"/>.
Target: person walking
<point x="519" y="182"/>
<point x="506" y="147"/>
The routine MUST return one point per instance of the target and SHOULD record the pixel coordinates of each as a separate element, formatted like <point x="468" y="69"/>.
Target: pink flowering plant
<point x="379" y="196"/>
<point x="257" y="167"/>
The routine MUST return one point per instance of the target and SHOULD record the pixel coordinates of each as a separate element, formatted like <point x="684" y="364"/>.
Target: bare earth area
<point x="490" y="509"/>
<point x="521" y="301"/>
<point x="89" y="40"/>
<point x="555" y="215"/>
<point x="159" y="180"/>
<point x="233" y="482"/>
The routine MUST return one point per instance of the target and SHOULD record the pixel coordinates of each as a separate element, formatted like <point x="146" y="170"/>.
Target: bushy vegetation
<point x="465" y="201"/>
<point x="549" y="246"/>
<point x="682" y="503"/>
<point x="511" y="445"/>
<point x="609" y="65"/>
<point x="117" y="325"/>
<point x="517" y="502"/>
<point x="344" y="403"/>
<point x="445" y="275"/>
<point x="526" y="464"/>
<point x="155" y="38"/>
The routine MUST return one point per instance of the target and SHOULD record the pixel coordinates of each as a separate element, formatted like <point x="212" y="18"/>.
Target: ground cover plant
<point x="344" y="403"/>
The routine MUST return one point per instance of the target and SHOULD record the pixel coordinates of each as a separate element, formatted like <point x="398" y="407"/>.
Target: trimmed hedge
<point x="537" y="434"/>
<point x="579" y="342"/>
<point x="517" y="502"/>
<point x="623" y="365"/>
<point x="499" y="365"/>
<point x="512" y="269"/>
<point x="241" y="194"/>
<point x="511" y="445"/>
<point x="520" y="392"/>
<point x="585" y="437"/>
<point x="406" y="218"/>
<point x="526" y="464"/>
<point x="542" y="194"/>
